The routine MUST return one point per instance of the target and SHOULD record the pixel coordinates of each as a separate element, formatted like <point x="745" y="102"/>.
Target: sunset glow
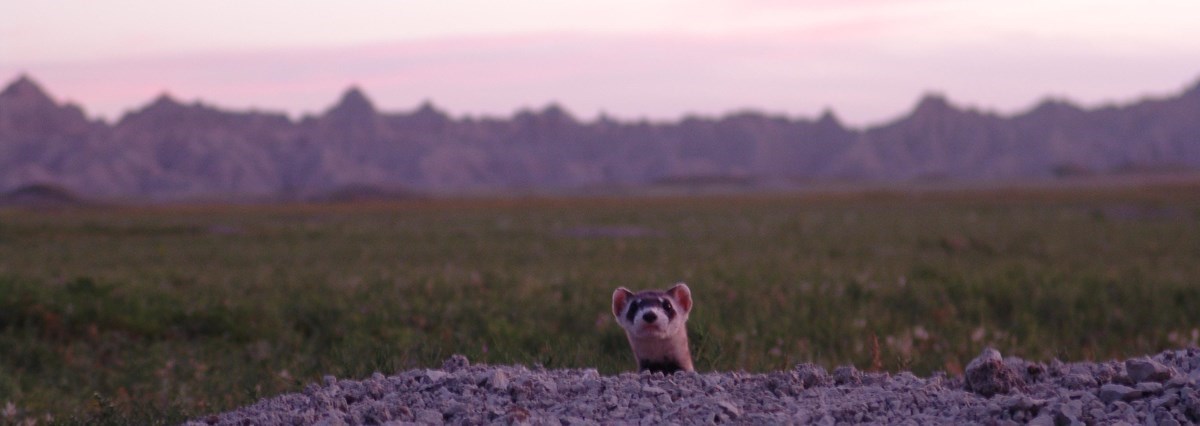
<point x="868" y="60"/>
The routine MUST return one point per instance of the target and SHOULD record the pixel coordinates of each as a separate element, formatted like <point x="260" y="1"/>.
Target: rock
<point x="1166" y="401"/>
<point x="1021" y="403"/>
<point x="455" y="362"/>
<point x="653" y="390"/>
<point x="847" y="374"/>
<point x="1078" y="381"/>
<point x="1068" y="413"/>
<point x="812" y="375"/>
<point x="987" y="375"/>
<point x="1145" y="369"/>
<point x="1113" y="392"/>
<point x="1178" y="382"/>
<point x="517" y="415"/>
<point x="435" y="376"/>
<point x="1150" y="388"/>
<point x="1044" y="419"/>
<point x="498" y="380"/>
<point x="429" y="417"/>
<point x="593" y="386"/>
<point x="730" y="409"/>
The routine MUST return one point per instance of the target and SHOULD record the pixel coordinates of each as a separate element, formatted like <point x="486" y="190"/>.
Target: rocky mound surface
<point x="1163" y="389"/>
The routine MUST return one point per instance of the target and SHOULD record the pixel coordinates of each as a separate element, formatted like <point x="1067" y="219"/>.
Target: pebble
<point x="730" y="409"/>
<point x="1114" y="392"/>
<point x="429" y="417"/>
<point x="988" y="375"/>
<point x="435" y="375"/>
<point x="847" y="374"/>
<point x="1145" y="369"/>
<point x="1150" y="388"/>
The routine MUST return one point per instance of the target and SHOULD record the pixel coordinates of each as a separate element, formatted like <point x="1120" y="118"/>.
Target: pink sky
<point x="869" y="60"/>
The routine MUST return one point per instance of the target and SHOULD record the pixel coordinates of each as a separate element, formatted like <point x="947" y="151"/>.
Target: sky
<point x="869" y="61"/>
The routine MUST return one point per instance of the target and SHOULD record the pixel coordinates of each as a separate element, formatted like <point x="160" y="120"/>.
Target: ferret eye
<point x="632" y="311"/>
<point x="667" y="306"/>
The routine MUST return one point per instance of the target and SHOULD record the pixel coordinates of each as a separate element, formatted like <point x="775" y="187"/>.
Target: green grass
<point x="154" y="315"/>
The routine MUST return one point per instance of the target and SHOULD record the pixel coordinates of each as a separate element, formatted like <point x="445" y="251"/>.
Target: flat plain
<point x="155" y="314"/>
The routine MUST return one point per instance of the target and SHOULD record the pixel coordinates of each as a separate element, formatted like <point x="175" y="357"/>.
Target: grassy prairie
<point x="123" y="314"/>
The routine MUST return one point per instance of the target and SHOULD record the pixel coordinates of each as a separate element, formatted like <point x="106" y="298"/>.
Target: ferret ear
<point x="620" y="295"/>
<point x="683" y="294"/>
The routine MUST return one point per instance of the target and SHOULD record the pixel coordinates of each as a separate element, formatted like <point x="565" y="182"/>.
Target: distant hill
<point x="171" y="150"/>
<point x="365" y="193"/>
<point x="39" y="196"/>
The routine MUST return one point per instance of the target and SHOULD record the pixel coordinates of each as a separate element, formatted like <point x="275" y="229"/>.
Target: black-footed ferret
<point x="655" y="323"/>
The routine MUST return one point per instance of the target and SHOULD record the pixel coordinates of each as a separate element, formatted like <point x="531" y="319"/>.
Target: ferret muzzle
<point x="650" y="309"/>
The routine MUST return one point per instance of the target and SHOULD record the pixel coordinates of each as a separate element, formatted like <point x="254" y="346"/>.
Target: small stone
<point x="455" y="362"/>
<point x="549" y="385"/>
<point x="659" y="394"/>
<point x="593" y="386"/>
<point x="987" y="375"/>
<point x="730" y="409"/>
<point x="905" y="378"/>
<point x="1104" y="372"/>
<point x="1114" y="392"/>
<point x="1021" y="403"/>
<point x="332" y="418"/>
<point x="812" y="375"/>
<point x="847" y="374"/>
<point x="433" y="417"/>
<point x="653" y="390"/>
<point x="1150" y="388"/>
<point x="1078" y="381"/>
<point x="1166" y="401"/>
<point x="1044" y="419"/>
<point x="498" y="380"/>
<point x="1145" y="369"/>
<point x="1068" y="413"/>
<point x="434" y="375"/>
<point x="1177" y="382"/>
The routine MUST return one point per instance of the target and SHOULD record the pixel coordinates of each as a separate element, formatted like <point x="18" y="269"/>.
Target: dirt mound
<point x="1163" y="388"/>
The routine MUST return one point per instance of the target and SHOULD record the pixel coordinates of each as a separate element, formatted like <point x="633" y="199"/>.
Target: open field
<point x="160" y="313"/>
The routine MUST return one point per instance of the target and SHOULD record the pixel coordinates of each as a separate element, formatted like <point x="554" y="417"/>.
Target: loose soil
<point x="1162" y="389"/>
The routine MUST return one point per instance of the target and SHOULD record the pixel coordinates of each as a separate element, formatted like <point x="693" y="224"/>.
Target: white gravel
<point x="1162" y="389"/>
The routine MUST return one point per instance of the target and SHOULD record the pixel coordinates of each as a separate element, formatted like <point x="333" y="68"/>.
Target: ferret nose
<point x="649" y="317"/>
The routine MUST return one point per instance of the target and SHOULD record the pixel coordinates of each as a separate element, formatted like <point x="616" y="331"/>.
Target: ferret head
<point x="653" y="314"/>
